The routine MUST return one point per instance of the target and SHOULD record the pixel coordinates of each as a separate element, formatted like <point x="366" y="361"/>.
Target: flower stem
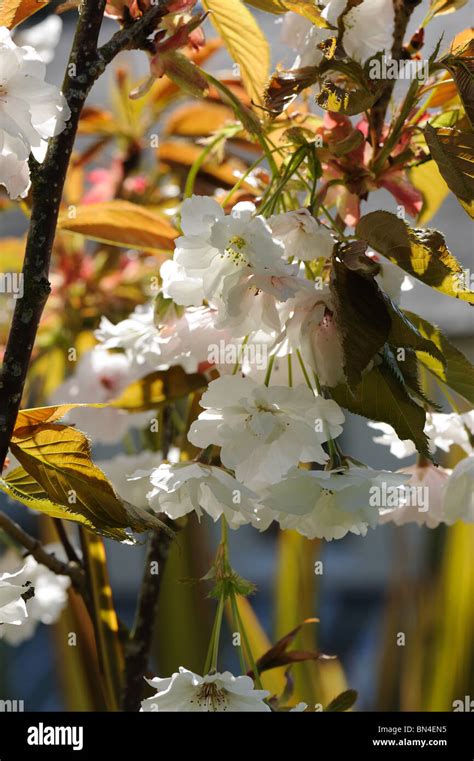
<point x="269" y="370"/>
<point x="250" y="657"/>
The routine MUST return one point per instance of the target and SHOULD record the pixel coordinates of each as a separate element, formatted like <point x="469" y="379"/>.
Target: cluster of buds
<point x="178" y="30"/>
<point x="131" y="10"/>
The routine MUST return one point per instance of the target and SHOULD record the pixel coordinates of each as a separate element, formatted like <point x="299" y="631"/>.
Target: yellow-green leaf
<point x="453" y="152"/>
<point x="422" y="253"/>
<point x="457" y="372"/>
<point x="269" y="6"/>
<point x="58" y="457"/>
<point x="245" y="42"/>
<point x="121" y="223"/>
<point x="20" y="486"/>
<point x="36" y="415"/>
<point x="150" y="392"/>
<point x="427" y="179"/>
<point x="440" y="7"/>
<point x="307" y="8"/>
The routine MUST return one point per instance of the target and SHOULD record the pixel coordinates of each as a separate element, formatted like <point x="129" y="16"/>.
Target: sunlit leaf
<point x="185" y="154"/>
<point x="58" y="458"/>
<point x="13" y="12"/>
<point x="458" y="372"/>
<point x="440" y="7"/>
<point x="307" y="8"/>
<point x="245" y="42"/>
<point x="122" y="224"/>
<point x="422" y="253"/>
<point x="196" y="119"/>
<point x="427" y="179"/>
<point x="453" y="152"/>
<point x="461" y="66"/>
<point x="153" y="390"/>
<point x="35" y="415"/>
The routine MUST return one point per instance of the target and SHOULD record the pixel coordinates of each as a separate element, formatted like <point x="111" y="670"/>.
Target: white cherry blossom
<point x="185" y="691"/>
<point x="100" y="376"/>
<point x="49" y="599"/>
<point x="458" y="494"/>
<point x="130" y="474"/>
<point x="158" y="343"/>
<point x="264" y="431"/>
<point x="327" y="504"/>
<point x="195" y="487"/>
<point x="421" y="500"/>
<point x="311" y="328"/>
<point x="12" y="605"/>
<point x="217" y="249"/>
<point x="368" y="29"/>
<point x="301" y="234"/>
<point x="31" y="111"/>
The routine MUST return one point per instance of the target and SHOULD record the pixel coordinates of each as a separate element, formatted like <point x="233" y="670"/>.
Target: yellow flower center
<point x="235" y="248"/>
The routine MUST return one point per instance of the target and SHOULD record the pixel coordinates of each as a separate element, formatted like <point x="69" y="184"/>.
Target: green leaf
<point x="453" y="152"/>
<point x="245" y="42"/>
<point x="421" y="253"/>
<point x="382" y="395"/>
<point x="458" y="372"/>
<point x="343" y="702"/>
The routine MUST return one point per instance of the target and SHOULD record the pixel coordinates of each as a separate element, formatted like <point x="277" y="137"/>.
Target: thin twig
<point x="36" y="549"/>
<point x="138" y="647"/>
<point x="67" y="546"/>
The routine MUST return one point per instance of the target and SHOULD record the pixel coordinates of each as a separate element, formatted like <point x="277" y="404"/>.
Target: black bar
<point x="313" y="735"/>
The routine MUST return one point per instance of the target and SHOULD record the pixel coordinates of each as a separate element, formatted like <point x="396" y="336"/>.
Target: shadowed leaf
<point x="343" y="702"/>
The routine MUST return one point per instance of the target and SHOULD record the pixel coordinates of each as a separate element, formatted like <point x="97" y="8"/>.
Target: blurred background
<point x="409" y="580"/>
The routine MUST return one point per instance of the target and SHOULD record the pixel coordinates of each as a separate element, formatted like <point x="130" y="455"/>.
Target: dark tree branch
<point x="67" y="546"/>
<point x="139" y="644"/>
<point x="36" y="549"/>
<point x="403" y="10"/>
<point x="86" y="64"/>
